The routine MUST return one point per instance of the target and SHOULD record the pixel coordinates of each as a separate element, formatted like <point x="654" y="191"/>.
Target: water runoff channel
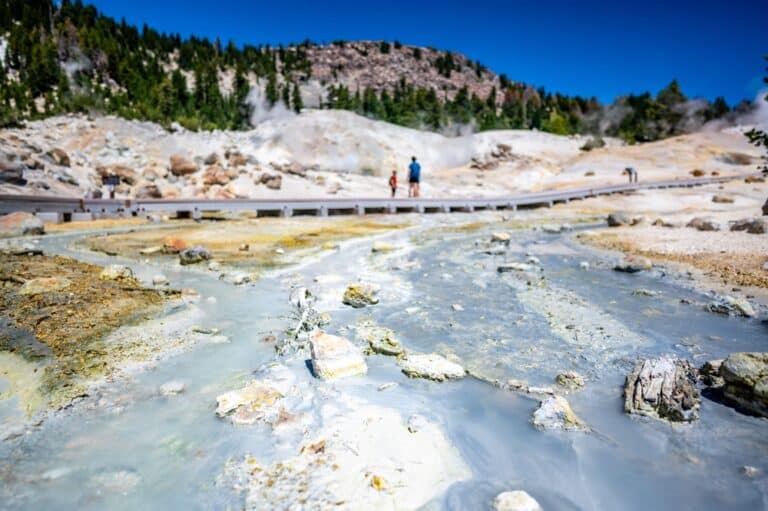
<point x="170" y="452"/>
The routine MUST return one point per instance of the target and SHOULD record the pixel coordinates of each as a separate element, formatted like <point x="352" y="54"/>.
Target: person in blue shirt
<point x="414" y="176"/>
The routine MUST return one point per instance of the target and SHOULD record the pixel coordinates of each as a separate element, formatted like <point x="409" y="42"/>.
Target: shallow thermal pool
<point x="128" y="447"/>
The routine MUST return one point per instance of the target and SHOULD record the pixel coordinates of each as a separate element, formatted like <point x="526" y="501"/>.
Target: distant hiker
<point x="632" y="173"/>
<point x="393" y="183"/>
<point x="414" y="175"/>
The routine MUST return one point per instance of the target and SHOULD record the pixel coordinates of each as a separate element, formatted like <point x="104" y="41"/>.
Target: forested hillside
<point x="67" y="57"/>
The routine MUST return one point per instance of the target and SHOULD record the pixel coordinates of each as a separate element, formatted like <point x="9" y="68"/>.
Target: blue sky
<point x="580" y="47"/>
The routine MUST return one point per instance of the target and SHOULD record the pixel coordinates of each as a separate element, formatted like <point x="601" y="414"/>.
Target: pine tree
<point x="272" y="93"/>
<point x="298" y="103"/>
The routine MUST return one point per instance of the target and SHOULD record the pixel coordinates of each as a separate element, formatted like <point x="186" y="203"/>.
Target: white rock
<point x="172" y="388"/>
<point x="457" y="307"/>
<point x="515" y="501"/>
<point x="255" y="397"/>
<point x="335" y="357"/>
<point x="503" y="237"/>
<point x="430" y="366"/>
<point x="159" y="280"/>
<point x="533" y="260"/>
<point x="386" y="386"/>
<point x="584" y="265"/>
<point x="554" y="413"/>
<point x="116" y="272"/>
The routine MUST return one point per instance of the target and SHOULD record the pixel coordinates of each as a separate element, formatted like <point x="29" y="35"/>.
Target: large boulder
<point x="148" y="191"/>
<point x="633" y="264"/>
<point x="515" y="501"/>
<point x="194" y="255"/>
<point x="758" y="226"/>
<point x="126" y="174"/>
<point x="335" y="357"/>
<point x="12" y="172"/>
<point x="746" y="381"/>
<point x="20" y="224"/>
<point x="703" y="224"/>
<point x="618" y="219"/>
<point x="360" y="295"/>
<point x="742" y="224"/>
<point x="555" y="413"/>
<point x="731" y="306"/>
<point x="430" y="366"/>
<point x="663" y="388"/>
<point x="722" y="199"/>
<point x="215" y="175"/>
<point x="181" y="166"/>
<point x="59" y="156"/>
<point x="271" y="181"/>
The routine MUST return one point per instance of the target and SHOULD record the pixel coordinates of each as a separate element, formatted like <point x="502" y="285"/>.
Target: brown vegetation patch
<point x="66" y="325"/>
<point x="739" y="269"/>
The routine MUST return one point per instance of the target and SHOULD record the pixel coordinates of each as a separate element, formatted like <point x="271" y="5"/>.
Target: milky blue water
<point x="171" y="450"/>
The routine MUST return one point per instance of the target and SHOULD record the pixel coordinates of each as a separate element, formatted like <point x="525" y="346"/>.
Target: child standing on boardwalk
<point x="393" y="183"/>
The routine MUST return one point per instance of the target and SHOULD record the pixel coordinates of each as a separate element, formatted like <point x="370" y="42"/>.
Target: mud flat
<point x="253" y="245"/>
<point x="691" y="231"/>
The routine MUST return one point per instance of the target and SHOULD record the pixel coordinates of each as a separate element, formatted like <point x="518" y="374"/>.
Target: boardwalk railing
<point x="61" y="208"/>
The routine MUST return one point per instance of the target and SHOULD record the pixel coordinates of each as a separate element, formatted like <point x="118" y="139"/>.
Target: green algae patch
<point x="253" y="244"/>
<point x="61" y="329"/>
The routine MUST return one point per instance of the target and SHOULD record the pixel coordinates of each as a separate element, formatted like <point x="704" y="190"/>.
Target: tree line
<point x="70" y="58"/>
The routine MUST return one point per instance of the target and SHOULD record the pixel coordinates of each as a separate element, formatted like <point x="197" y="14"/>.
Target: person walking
<point x="414" y="177"/>
<point x="632" y="173"/>
<point x="393" y="183"/>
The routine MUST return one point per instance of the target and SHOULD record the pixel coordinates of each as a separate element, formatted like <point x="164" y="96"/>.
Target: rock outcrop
<point x="555" y="413"/>
<point x="194" y="255"/>
<point x="663" y="388"/>
<point x="703" y="224"/>
<point x="335" y="357"/>
<point x="254" y="402"/>
<point x="515" y="501"/>
<point x="570" y="380"/>
<point x="633" y="264"/>
<point x="182" y="166"/>
<point x="360" y="295"/>
<point x="116" y="272"/>
<point x="20" y="224"/>
<point x="746" y="381"/>
<point x="431" y="367"/>
<point x="618" y="219"/>
<point x="732" y="306"/>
